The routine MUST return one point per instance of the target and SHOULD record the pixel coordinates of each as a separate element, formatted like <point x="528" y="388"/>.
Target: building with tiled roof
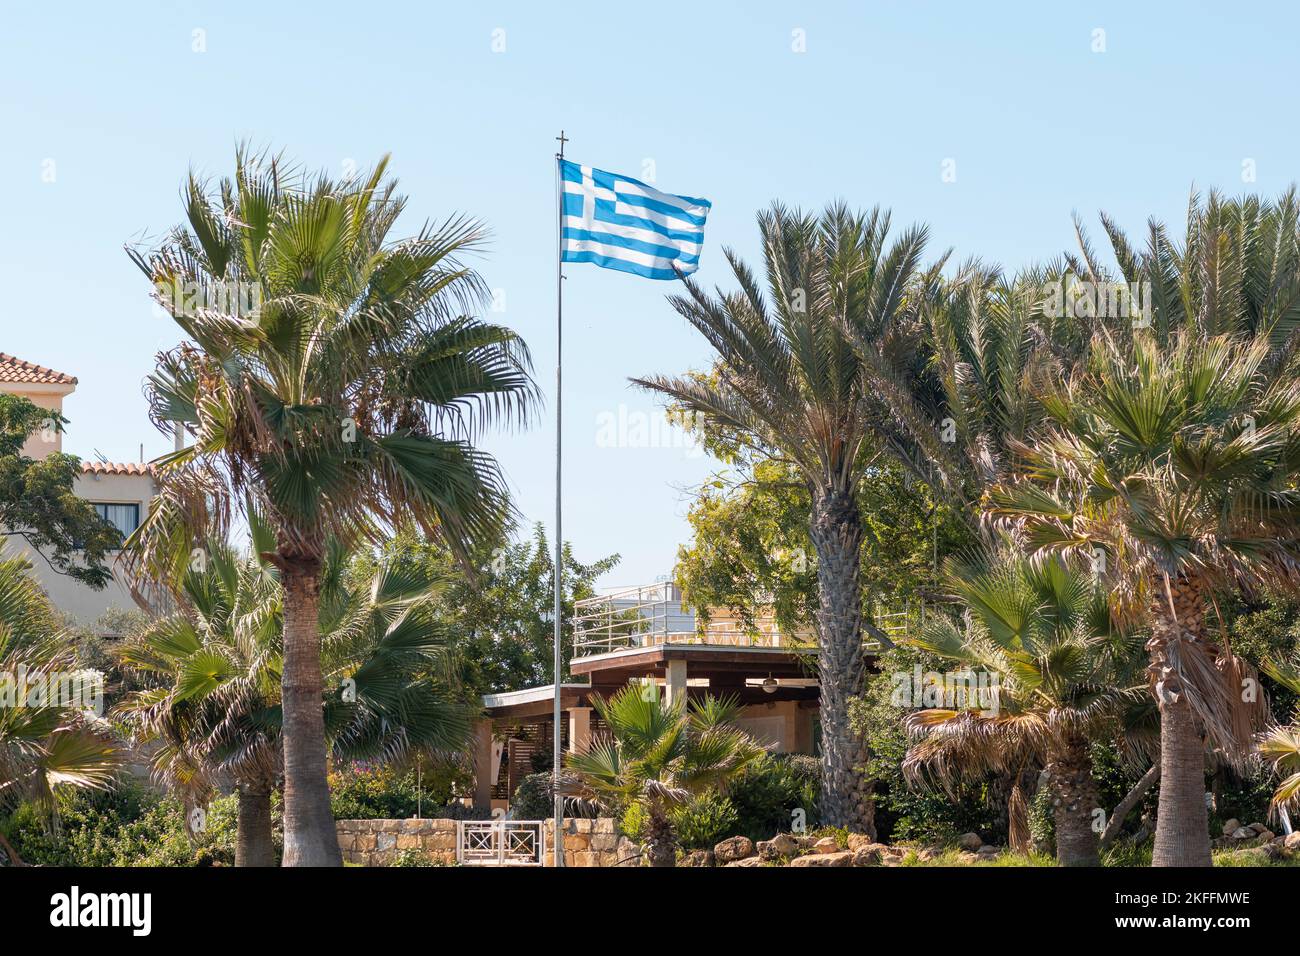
<point x="14" y="370"/>
<point x="120" y="492"/>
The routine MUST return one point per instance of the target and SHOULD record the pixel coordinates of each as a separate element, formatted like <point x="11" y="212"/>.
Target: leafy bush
<point x="702" y="822"/>
<point x="381" y="793"/>
<point x="532" y="799"/>
<point x="768" y="796"/>
<point x="127" y="826"/>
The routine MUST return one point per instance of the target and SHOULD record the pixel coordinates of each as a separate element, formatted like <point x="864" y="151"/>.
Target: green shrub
<point x="532" y="799"/>
<point x="127" y="826"/>
<point x="381" y="793"/>
<point x="633" y="822"/>
<point x="774" y="795"/>
<point x="702" y="822"/>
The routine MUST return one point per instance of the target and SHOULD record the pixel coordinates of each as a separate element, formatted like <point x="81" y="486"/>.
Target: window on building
<point x="125" y="518"/>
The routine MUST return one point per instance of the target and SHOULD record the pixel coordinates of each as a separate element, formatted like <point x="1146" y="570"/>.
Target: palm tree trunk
<point x="309" y="835"/>
<point x="254" y="843"/>
<point x="836" y="529"/>
<point x="1182" y="820"/>
<point x="1074" y="802"/>
<point x="661" y="843"/>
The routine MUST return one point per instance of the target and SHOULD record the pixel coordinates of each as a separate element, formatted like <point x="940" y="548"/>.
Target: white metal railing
<point x="653" y="615"/>
<point x="500" y="842"/>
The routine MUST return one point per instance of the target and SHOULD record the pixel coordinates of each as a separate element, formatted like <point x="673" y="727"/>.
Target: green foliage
<point x="904" y="814"/>
<point x="533" y="799"/>
<point x="750" y="542"/>
<point x="774" y="795"/>
<point x="705" y="820"/>
<point x="38" y="503"/>
<point x="500" y="621"/>
<point x="127" y="826"/>
<point x="362" y="792"/>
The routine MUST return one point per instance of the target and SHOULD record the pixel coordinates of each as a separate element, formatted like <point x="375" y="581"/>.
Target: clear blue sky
<point x="1038" y="125"/>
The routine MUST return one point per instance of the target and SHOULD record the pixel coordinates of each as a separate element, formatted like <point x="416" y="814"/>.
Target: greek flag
<point x="620" y="223"/>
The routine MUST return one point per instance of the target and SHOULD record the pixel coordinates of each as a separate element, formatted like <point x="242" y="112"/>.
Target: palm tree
<point x="1061" y="676"/>
<point x="1174" y="470"/>
<point x="1280" y="745"/>
<point x="787" y="384"/>
<point x="216" y="664"/>
<point x="46" y="742"/>
<point x="658" y="755"/>
<point x="338" y="379"/>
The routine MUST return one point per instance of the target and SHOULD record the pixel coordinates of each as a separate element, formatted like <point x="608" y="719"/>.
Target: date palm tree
<point x="216" y="665"/>
<point x="1060" y="675"/>
<point x="658" y="755"/>
<point x="339" y="379"/>
<point x="787" y="384"/>
<point x="1175" y="468"/>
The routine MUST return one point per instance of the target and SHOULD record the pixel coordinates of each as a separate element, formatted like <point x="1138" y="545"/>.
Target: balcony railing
<point x="653" y="616"/>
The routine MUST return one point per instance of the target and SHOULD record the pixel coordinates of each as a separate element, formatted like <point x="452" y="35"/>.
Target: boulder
<point x="1292" y="841"/>
<point x="866" y="856"/>
<point x="697" y="858"/>
<point x="823" y="859"/>
<point x="987" y="851"/>
<point x="1258" y="827"/>
<point x="1243" y="833"/>
<point x="783" y="844"/>
<point x="970" y="841"/>
<point x="858" y="840"/>
<point x="827" y="845"/>
<point x="747" y="861"/>
<point x="732" y="849"/>
<point x="1231" y="827"/>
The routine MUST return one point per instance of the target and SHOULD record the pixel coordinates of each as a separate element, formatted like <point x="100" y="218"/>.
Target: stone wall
<point x="587" y="843"/>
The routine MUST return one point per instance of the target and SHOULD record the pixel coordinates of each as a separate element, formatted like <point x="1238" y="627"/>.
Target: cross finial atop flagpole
<point x="561" y="139"/>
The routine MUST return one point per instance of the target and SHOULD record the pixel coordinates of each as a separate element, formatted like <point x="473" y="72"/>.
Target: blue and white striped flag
<point x="620" y="223"/>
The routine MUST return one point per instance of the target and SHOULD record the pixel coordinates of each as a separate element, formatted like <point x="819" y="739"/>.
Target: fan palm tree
<point x="1061" y="675"/>
<point x="1280" y="745"/>
<point x="337" y="378"/>
<point x="1173" y="468"/>
<point x="46" y="742"/>
<point x="658" y="755"/>
<point x="216" y="664"/>
<point x="787" y="384"/>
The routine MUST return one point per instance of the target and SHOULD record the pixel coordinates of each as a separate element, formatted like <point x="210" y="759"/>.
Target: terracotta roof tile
<point x="16" y="370"/>
<point x="115" y="468"/>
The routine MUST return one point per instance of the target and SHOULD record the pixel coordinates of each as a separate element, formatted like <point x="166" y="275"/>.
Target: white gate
<point x="500" y="842"/>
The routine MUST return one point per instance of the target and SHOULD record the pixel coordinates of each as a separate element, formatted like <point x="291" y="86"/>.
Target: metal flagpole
<point x="556" y="750"/>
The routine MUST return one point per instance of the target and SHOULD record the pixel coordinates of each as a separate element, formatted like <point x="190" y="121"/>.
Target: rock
<point x="823" y="859"/>
<point x="866" y="856"/>
<point x="827" y="845"/>
<point x="747" y="861"/>
<point x="732" y="849"/>
<point x="1231" y="827"/>
<point x="1266" y="835"/>
<point x="858" y="840"/>
<point x="1243" y="833"/>
<point x="697" y="858"/>
<point x="1292" y="841"/>
<point x="987" y="851"/>
<point x="1258" y="827"/>
<point x="783" y="844"/>
<point x="930" y="853"/>
<point x="970" y="841"/>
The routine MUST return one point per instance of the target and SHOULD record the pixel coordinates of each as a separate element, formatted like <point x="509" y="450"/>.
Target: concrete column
<point x="483" y="764"/>
<point x="675" y="682"/>
<point x="579" y="729"/>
